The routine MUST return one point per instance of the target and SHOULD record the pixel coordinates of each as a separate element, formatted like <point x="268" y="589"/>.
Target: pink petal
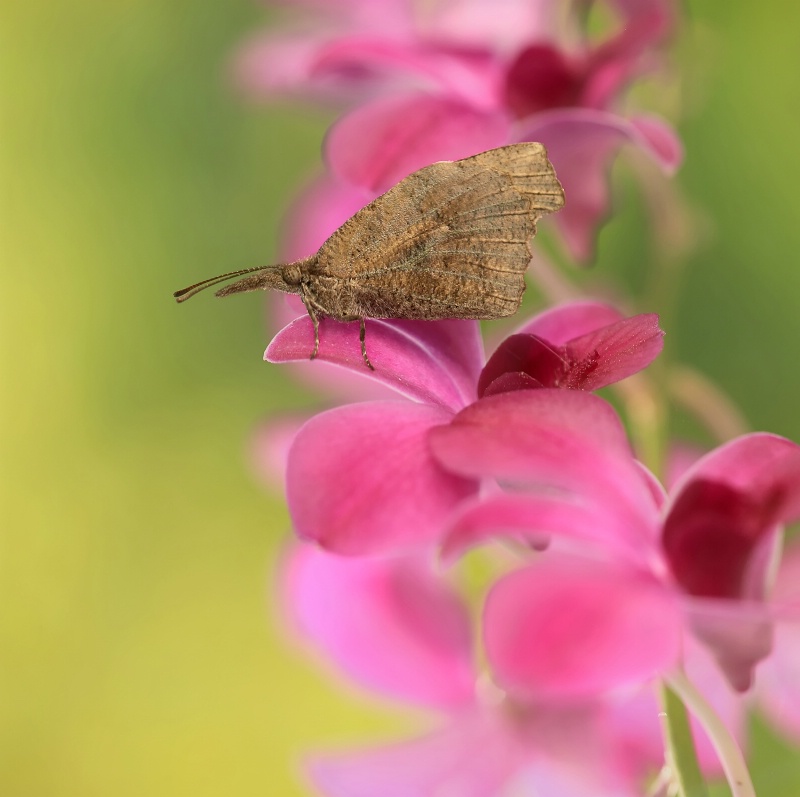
<point x="560" y="324"/>
<point x="721" y="522"/>
<point x="391" y="625"/>
<point x="636" y="718"/>
<point x="739" y="635"/>
<point x="435" y="362"/>
<point x="530" y="362"/>
<point x="627" y="54"/>
<point x="680" y="457"/>
<point x="778" y="678"/>
<point x="581" y="143"/>
<point x="579" y="753"/>
<point x="661" y="140"/>
<point x="651" y="19"/>
<point x="511" y="749"/>
<point x="612" y="353"/>
<point x="282" y="65"/>
<point x="511" y="380"/>
<point x="286" y="63"/>
<point x="360" y="479"/>
<point x="276" y="63"/>
<point x="317" y="212"/>
<point x="565" y="439"/>
<point x="334" y="383"/>
<point x="380" y="143"/>
<point x="381" y="15"/>
<point x="599" y="358"/>
<point x="765" y="466"/>
<point x="473" y="76"/>
<point x="503" y="26"/>
<point x="270" y="448"/>
<point x="568" y="628"/>
<point x="531" y="519"/>
<point x="730" y="706"/>
<point x="473" y="756"/>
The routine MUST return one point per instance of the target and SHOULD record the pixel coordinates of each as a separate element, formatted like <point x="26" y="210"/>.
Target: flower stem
<point x="680" y="752"/>
<point x="730" y="756"/>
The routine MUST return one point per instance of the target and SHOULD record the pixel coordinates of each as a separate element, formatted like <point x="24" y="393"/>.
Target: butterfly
<point x="451" y="240"/>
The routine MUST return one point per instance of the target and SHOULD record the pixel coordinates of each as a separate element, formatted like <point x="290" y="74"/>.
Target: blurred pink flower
<point x="361" y="478"/>
<point x="648" y="567"/>
<point x="778" y="681"/>
<point x="397" y="627"/>
<point x="466" y="76"/>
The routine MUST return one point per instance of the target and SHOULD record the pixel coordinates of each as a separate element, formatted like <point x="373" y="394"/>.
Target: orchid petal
<point x="660" y="141"/>
<point x="286" y="63"/>
<point x="651" y="20"/>
<point x="599" y="358"/>
<point x="532" y="519"/>
<point x="765" y="466"/>
<point x="724" y="514"/>
<point x="270" y="448"/>
<point x="397" y="16"/>
<point x="522" y="356"/>
<point x="657" y="491"/>
<point x="778" y="678"/>
<point x="680" y="457"/>
<point x="511" y="380"/>
<point x="581" y="143"/>
<point x="542" y="77"/>
<point x="380" y="143"/>
<point x="635" y="718"/>
<point x="434" y="362"/>
<point x="568" y="628"/>
<point x="391" y="625"/>
<point x="560" y="324"/>
<point x="472" y="76"/>
<point x="360" y="479"/>
<point x="503" y="26"/>
<point x="339" y="384"/>
<point x="473" y="756"/>
<point x="564" y="439"/>
<point x="738" y="634"/>
<point x="626" y="54"/>
<point x="279" y="64"/>
<point x="612" y="353"/>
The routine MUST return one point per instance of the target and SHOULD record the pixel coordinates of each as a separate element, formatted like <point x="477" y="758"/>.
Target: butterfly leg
<point x="315" y="321"/>
<point x="363" y="338"/>
<point x="312" y="306"/>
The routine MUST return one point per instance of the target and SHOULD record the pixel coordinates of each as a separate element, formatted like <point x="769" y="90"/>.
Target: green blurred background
<point x="140" y="649"/>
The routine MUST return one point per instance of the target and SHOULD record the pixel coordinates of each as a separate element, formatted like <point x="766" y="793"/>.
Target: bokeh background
<point x="141" y="651"/>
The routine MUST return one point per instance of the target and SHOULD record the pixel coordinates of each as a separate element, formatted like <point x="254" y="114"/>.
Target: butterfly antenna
<point x="187" y="293"/>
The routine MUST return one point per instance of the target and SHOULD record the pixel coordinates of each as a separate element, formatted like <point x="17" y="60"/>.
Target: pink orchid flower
<point x="469" y="76"/>
<point x="778" y="680"/>
<point x="398" y="628"/>
<point x="636" y="571"/>
<point x="361" y="478"/>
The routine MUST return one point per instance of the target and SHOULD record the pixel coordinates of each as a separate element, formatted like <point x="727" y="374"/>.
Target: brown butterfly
<point x="451" y="240"/>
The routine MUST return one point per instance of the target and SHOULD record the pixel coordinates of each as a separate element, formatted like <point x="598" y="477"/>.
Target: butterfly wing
<point x="450" y="241"/>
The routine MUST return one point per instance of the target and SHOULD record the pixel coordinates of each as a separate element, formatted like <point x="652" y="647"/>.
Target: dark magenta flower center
<point x="525" y="361"/>
<point x="541" y="78"/>
<point x="711" y="534"/>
